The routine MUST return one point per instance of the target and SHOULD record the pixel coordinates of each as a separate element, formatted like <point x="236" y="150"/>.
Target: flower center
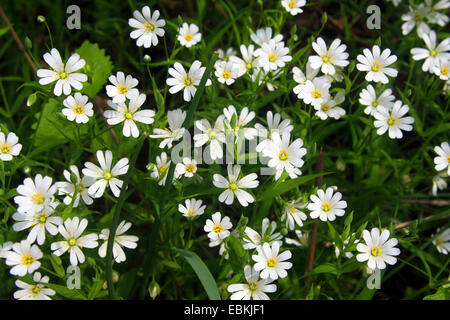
<point x="433" y="53"/>
<point x="376" y="66"/>
<point x="38" y="198"/>
<point x="35" y="290"/>
<point x="392" y="121"/>
<point x="248" y="66"/>
<point x="27" y="260"/>
<point x="128" y="116"/>
<point x="233" y="186"/>
<point x="283" y="155"/>
<point x="5" y="148"/>
<point x="325" y="108"/>
<point x="376" y="251"/>
<point x="375" y="104"/>
<point x="326" y="58"/>
<point x="218" y="228"/>
<point x="149" y="27"/>
<point x="78" y="109"/>
<point x="190" y="168"/>
<point x="212" y="134"/>
<point x="316" y="94"/>
<point x="226" y="75"/>
<point x="190" y="212"/>
<point x="72" y="242"/>
<point x="107" y="175"/>
<point x="444" y="71"/>
<point x="271" y="262"/>
<point x="187" y="80"/>
<point x="439" y="242"/>
<point x="62" y="75"/>
<point x="188" y="37"/>
<point x="326" y="206"/>
<point x="253" y="286"/>
<point x="448" y="158"/>
<point x="122" y="89"/>
<point x="42" y="218"/>
<point x="80" y="187"/>
<point x="292" y="210"/>
<point x="291" y="4"/>
<point x="273" y="57"/>
<point x="163" y="168"/>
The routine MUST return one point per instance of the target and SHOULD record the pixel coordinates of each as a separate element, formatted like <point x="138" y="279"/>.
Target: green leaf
<point x="325" y="268"/>
<point x="203" y="273"/>
<point x="73" y="294"/>
<point x="440" y="294"/>
<point x="98" y="67"/>
<point x="57" y="265"/>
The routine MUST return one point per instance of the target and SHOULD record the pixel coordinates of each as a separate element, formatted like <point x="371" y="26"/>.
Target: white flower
<point x="330" y="108"/>
<point x="327" y="206"/>
<point x="248" y="62"/>
<point x="149" y="28"/>
<point x="328" y="58"/>
<point x="393" y="120"/>
<point x="187" y="168"/>
<point x="416" y="17"/>
<point x="129" y="115"/>
<point x="442" y="241"/>
<point x="293" y="214"/>
<point x="271" y="263"/>
<point x="4" y="248"/>
<point x="161" y="170"/>
<point x="217" y="228"/>
<point x="79" y="185"/>
<point x="193" y="208"/>
<point x="188" y="35"/>
<point x="442" y="68"/>
<point x="442" y="161"/>
<point x="226" y="72"/>
<point x="301" y="78"/>
<point x="35" y="195"/>
<point x="24" y="258"/>
<point x="376" y="63"/>
<point x="262" y="36"/>
<point x="77" y="108"/>
<point x="274" y="125"/>
<point x="9" y="146"/>
<point x="215" y="135"/>
<point x="347" y="254"/>
<point x="293" y="6"/>
<point x="234" y="186"/>
<point x="433" y="53"/>
<point x="285" y="155"/>
<point x="368" y="97"/>
<point x="37" y="291"/>
<point x="104" y="175"/>
<point x="254" y="288"/>
<point x="72" y="231"/>
<point x="238" y="128"/>
<point x="62" y="73"/>
<point x="38" y="222"/>
<point x="272" y="55"/>
<point x="175" y="130"/>
<point x="378" y="250"/>
<point x="186" y="81"/>
<point x="253" y="239"/>
<point x="120" y="240"/>
<point x="315" y="92"/>
<point x="122" y="88"/>
<point x="439" y="183"/>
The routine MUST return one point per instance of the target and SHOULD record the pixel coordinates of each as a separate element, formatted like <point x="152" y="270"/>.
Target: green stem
<point x="113" y="227"/>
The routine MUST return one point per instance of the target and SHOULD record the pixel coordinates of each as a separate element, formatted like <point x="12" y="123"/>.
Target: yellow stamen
<point x="271" y="262"/>
<point x="273" y="57"/>
<point x="376" y="66"/>
<point x="107" y="175"/>
<point x="128" y="116"/>
<point x="444" y="71"/>
<point x="392" y="121"/>
<point x="376" y="251"/>
<point x="149" y="27"/>
<point x="38" y="198"/>
<point x="283" y="155"/>
<point x="316" y="94"/>
<point x="291" y="4"/>
<point x="35" y="290"/>
<point x="72" y="242"/>
<point x="187" y="80"/>
<point x="190" y="168"/>
<point x="5" y="148"/>
<point x="27" y="260"/>
<point x="233" y="186"/>
<point x="190" y="212"/>
<point x="226" y="75"/>
<point x="78" y="109"/>
<point x="188" y="37"/>
<point x="122" y="89"/>
<point x="325" y="108"/>
<point x="217" y="228"/>
<point x="326" y="206"/>
<point x="42" y="218"/>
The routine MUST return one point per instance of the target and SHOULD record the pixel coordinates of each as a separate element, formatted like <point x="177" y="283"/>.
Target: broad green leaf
<point x="73" y="294"/>
<point x="98" y="67"/>
<point x="203" y="273"/>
